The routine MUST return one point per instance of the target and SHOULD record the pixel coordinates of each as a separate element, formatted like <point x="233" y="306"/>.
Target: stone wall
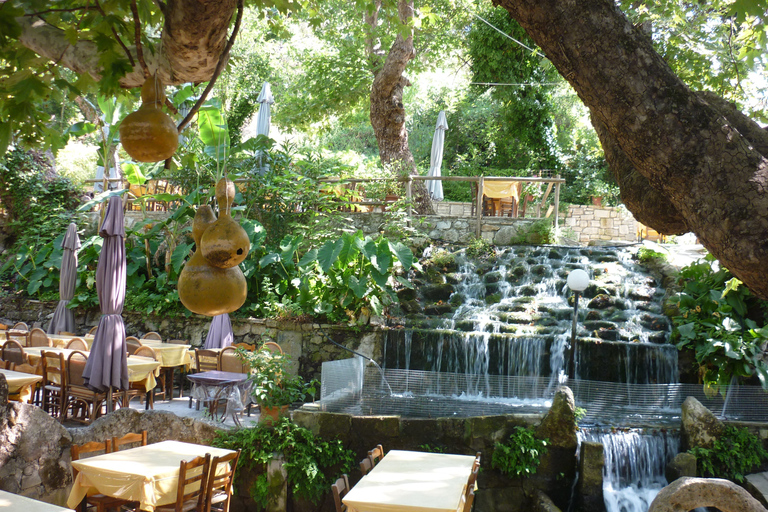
<point x="307" y="344"/>
<point x="601" y="223"/>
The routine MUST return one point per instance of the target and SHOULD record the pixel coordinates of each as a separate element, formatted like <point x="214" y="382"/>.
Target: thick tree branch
<point x="701" y="161"/>
<point x="137" y="38"/>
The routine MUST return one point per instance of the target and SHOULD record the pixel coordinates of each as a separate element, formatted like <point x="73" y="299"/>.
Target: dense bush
<point x="733" y="455"/>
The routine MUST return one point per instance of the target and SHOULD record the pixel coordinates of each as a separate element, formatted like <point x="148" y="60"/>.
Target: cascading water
<point x="634" y="465"/>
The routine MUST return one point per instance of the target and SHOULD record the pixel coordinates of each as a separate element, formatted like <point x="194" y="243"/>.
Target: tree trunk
<point x="388" y="113"/>
<point x="194" y="36"/>
<point x="711" y="168"/>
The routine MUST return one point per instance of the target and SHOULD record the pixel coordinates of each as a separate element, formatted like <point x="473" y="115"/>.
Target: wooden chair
<point x="14" y="352"/>
<point x="340" y="488"/>
<point x="190" y="492"/>
<point x="3" y="327"/>
<point x="376" y="454"/>
<point x="92" y="332"/>
<point x="366" y="465"/>
<point x="469" y="498"/>
<point x="83" y="402"/>
<point x="230" y="362"/>
<point x="20" y="326"/>
<point x="130" y="438"/>
<point x="507" y="207"/>
<point x="219" y="489"/>
<point x="244" y="346"/>
<point x="101" y="502"/>
<point x="152" y="335"/>
<point x="38" y="338"/>
<point x="477" y="461"/>
<point x="205" y="361"/>
<point x="169" y="371"/>
<point x="150" y="353"/>
<point x="77" y="344"/>
<point x="54" y="384"/>
<point x="273" y="347"/>
<point x="132" y="343"/>
<point x="6" y="365"/>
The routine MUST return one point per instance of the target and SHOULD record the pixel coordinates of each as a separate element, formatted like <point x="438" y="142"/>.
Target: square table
<point x="13" y="503"/>
<point x="21" y="383"/>
<point x="212" y="386"/>
<point x="147" y="474"/>
<point x="409" y="481"/>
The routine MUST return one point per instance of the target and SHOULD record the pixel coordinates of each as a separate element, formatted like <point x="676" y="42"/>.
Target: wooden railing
<point x="478" y="202"/>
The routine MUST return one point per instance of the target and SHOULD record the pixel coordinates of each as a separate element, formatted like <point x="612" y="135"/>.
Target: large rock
<point x="506" y="235"/>
<point x="559" y="424"/>
<point x="684" y="464"/>
<point x="700" y="426"/>
<point x="685" y="494"/>
<point x="591" y="462"/>
<point x="540" y="502"/>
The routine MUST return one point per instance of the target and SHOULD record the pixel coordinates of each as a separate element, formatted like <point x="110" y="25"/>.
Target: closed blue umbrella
<point x="107" y="366"/>
<point x="64" y="318"/>
<point x="435" y="187"/>
<point x="264" y="118"/>
<point x="220" y="333"/>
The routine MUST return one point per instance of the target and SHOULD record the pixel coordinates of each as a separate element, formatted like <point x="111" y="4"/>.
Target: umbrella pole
<point x="109" y="400"/>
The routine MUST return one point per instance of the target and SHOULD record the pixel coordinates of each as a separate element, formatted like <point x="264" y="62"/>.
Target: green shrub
<point x="733" y="455"/>
<point x="646" y="255"/>
<point x="521" y="455"/>
<point x="312" y="463"/>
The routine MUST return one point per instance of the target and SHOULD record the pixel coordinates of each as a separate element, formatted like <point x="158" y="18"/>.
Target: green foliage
<point x="273" y="385"/>
<point x="312" y="464"/>
<point x="722" y="322"/>
<point x="520" y="455"/>
<point x="480" y="248"/>
<point x="580" y="413"/>
<point x="440" y="258"/>
<point x="538" y="232"/>
<point x="734" y="454"/>
<point x="646" y="255"/>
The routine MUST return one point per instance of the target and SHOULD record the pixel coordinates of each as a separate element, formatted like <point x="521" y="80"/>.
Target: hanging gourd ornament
<point x="208" y="290"/>
<point x="149" y="134"/>
<point x="225" y="244"/>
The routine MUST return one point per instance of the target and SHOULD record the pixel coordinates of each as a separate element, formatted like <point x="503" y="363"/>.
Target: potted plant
<point x="273" y="387"/>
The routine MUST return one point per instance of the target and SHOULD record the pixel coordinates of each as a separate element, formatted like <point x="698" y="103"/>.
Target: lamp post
<point x="577" y="281"/>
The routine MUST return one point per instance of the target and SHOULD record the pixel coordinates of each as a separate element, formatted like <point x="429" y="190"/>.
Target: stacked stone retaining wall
<point x="601" y="223"/>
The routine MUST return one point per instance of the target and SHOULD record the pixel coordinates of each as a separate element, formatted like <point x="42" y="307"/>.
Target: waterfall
<point x="634" y="465"/>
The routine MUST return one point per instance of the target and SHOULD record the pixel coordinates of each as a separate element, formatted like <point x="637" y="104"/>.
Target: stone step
<point x="757" y="485"/>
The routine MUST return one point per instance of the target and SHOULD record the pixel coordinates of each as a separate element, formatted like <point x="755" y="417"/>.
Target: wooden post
<point x="409" y="198"/>
<point x="557" y="203"/>
<point x="479" y="209"/>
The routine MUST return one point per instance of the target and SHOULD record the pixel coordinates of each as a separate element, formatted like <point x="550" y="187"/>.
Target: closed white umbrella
<point x="435" y="187"/>
<point x="265" y="115"/>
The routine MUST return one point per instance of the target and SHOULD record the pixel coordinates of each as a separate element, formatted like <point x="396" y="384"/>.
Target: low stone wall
<point x="307" y="344"/>
<point x="601" y="223"/>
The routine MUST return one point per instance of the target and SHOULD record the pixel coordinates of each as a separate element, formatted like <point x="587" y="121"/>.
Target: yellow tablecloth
<point x="170" y="354"/>
<point x="412" y="482"/>
<point x="147" y="474"/>
<point x="15" y="336"/>
<point x="19" y="382"/>
<point x="15" y="503"/>
<point x="499" y="189"/>
<point x="140" y="369"/>
<point x="61" y="340"/>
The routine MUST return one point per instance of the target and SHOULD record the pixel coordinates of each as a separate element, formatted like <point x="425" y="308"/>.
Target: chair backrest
<point x="132" y="343"/>
<point x="14" y="352"/>
<point x="207" y="360"/>
<point x="192" y="482"/>
<point x="229" y="361"/>
<point x="75" y="366"/>
<point x="53" y="365"/>
<point x="477" y="461"/>
<point x="93" y="330"/>
<point x="244" y="346"/>
<point x="6" y="365"/>
<point x="38" y="338"/>
<point x="472" y="480"/>
<point x="366" y="465"/>
<point x="376" y="454"/>
<point x="219" y="488"/>
<point x="77" y="344"/>
<point x="272" y="347"/>
<point x="130" y="438"/>
<point x="146" y="352"/>
<point x="20" y="326"/>
<point x="152" y="335"/>
<point x="78" y="450"/>
<point x="340" y="488"/>
<point x="28" y="368"/>
<point x="469" y="498"/>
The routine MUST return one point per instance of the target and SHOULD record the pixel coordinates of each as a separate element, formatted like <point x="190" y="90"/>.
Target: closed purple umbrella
<point x="107" y="366"/>
<point x="64" y="318"/>
<point x="220" y="332"/>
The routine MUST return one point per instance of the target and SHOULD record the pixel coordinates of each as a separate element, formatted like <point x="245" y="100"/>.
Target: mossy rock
<point x="527" y="291"/>
<point x="454" y="278"/>
<point x="491" y="289"/>
<point x="437" y="292"/>
<point x="410" y="307"/>
<point x="541" y="270"/>
<point x="438" y="309"/>
<point x="555" y="254"/>
<point x="406" y="294"/>
<point x="594" y="314"/>
<point x="493" y="298"/>
<point x="658" y="337"/>
<point x="457" y="299"/>
<point x="492" y="277"/>
<point x="594" y="325"/>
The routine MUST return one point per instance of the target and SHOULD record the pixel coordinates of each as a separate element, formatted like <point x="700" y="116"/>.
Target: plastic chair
<point x="190" y="492"/>
<point x="38" y="338"/>
<point x="132" y="343"/>
<point x="219" y="489"/>
<point x="340" y="488"/>
<point x="152" y="335"/>
<point x="77" y="344"/>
